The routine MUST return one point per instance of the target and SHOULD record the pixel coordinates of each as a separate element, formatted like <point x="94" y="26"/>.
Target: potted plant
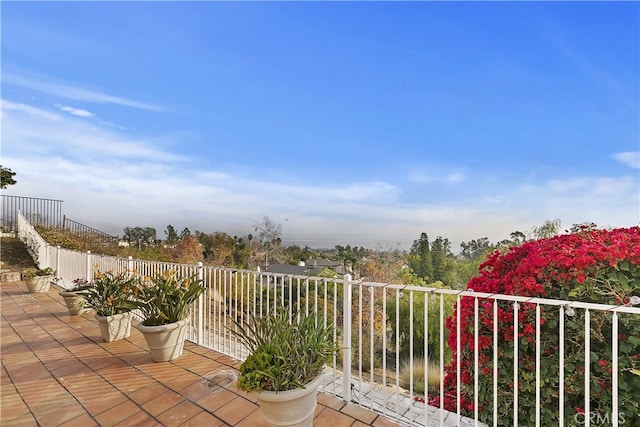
<point x="287" y="355"/>
<point x="74" y="298"/>
<point x="38" y="280"/>
<point x="110" y="295"/>
<point x="164" y="302"/>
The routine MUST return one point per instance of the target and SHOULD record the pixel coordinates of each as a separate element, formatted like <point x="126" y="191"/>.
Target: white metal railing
<point x="382" y="326"/>
<point x="36" y="245"/>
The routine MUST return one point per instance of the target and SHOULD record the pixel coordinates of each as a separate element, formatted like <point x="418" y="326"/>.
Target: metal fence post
<point x="89" y="277"/>
<point x="200" y="330"/>
<point x="57" y="279"/>
<point x="47" y="258"/>
<point x="346" y="343"/>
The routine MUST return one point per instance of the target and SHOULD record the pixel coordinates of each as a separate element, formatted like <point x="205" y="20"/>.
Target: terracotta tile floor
<point x="57" y="371"/>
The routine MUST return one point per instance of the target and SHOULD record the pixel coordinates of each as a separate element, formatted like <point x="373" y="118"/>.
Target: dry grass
<point x="419" y="367"/>
<point x="14" y="254"/>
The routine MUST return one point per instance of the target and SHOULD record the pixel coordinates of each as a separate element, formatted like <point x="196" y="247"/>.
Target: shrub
<point x="589" y="265"/>
<point x="366" y="362"/>
<point x="368" y="318"/>
<point x="418" y="321"/>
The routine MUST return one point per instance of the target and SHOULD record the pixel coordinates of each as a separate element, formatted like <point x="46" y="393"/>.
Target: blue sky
<point x="362" y="123"/>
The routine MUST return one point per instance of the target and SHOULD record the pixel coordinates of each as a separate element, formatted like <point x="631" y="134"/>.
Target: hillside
<point x="14" y="255"/>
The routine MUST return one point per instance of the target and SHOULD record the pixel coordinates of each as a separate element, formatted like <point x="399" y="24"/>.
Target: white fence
<point x="510" y="375"/>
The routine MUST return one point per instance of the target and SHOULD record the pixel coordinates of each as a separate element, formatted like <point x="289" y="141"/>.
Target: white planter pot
<point x="38" y="284"/>
<point x="165" y="342"/>
<point x="290" y="408"/>
<point x="74" y="302"/>
<point x="115" y="327"/>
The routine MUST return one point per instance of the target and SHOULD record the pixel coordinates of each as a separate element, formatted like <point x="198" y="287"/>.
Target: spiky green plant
<point x="166" y="298"/>
<point x="109" y="293"/>
<point x="286" y="352"/>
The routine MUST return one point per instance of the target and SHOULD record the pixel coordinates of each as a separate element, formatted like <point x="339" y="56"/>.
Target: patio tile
<point x="61" y="413"/>
<point x="161" y="403"/>
<point x="359" y="413"/>
<point x="213" y="401"/>
<point x="98" y="401"/>
<point x="25" y="420"/>
<point x="179" y="414"/>
<point x="383" y="422"/>
<point x="330" y="401"/>
<point x="118" y="413"/>
<point x="83" y="420"/>
<point x="147" y="393"/>
<point x="206" y="419"/>
<point x="140" y="419"/>
<point x="237" y="409"/>
<point x="332" y="418"/>
<point x="195" y="391"/>
<point x="254" y="419"/>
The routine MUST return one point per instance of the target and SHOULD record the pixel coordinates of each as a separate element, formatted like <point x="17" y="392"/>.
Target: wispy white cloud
<point x="629" y="158"/>
<point x="48" y="133"/>
<point x="438" y="175"/>
<point x="615" y="186"/>
<point x="75" y="111"/>
<point x="33" y="111"/>
<point x="562" y="186"/>
<point x="69" y="91"/>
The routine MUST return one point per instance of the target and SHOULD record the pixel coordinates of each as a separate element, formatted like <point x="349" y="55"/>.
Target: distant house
<point x="298" y="270"/>
<point x="310" y="268"/>
<point x="322" y="263"/>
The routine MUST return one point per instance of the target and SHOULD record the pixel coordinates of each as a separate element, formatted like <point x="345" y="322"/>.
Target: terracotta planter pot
<point x="74" y="302"/>
<point x="38" y="284"/>
<point x="290" y="408"/>
<point x="115" y="327"/>
<point x="165" y="342"/>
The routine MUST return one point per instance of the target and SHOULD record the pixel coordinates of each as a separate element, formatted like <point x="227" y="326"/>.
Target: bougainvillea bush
<point x="589" y="265"/>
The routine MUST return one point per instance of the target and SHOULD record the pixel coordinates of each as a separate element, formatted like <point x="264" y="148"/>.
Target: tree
<point x="223" y="246"/>
<point x="6" y="177"/>
<point x="188" y="250"/>
<point x="442" y="261"/>
<point x="142" y="236"/>
<point x="517" y="238"/>
<point x="184" y="233"/>
<point x="383" y="266"/>
<point x="549" y="228"/>
<point x="475" y="249"/>
<point x="583" y="227"/>
<point x="172" y="235"/>
<point x="269" y="234"/>
<point x="420" y="257"/>
<point x="347" y="256"/>
<point x="241" y="252"/>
